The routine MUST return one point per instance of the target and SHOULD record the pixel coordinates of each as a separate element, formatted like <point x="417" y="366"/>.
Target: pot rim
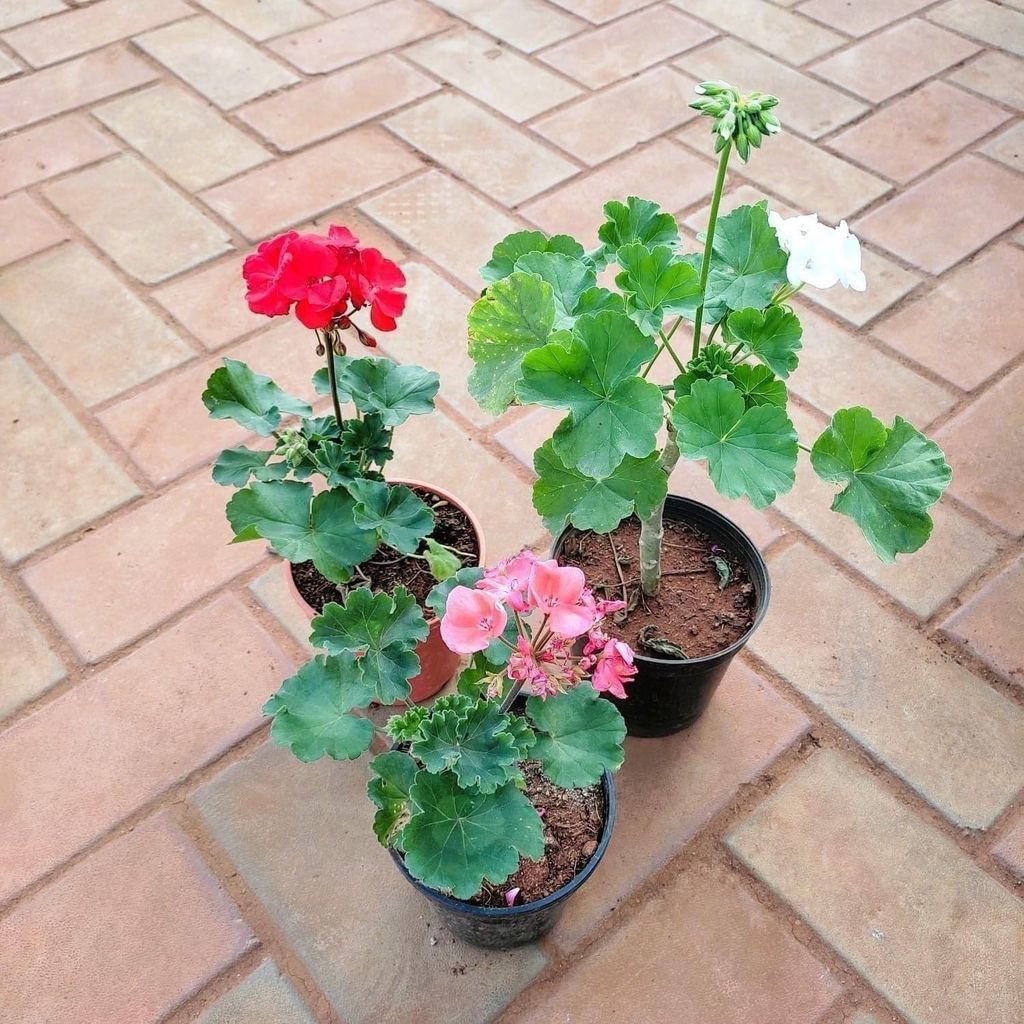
<point x="754" y="557"/>
<point x="464" y="907"/>
<point x="441" y="492"/>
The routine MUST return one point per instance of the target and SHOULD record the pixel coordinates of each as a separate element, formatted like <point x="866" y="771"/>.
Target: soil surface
<point x="389" y="568"/>
<point x="693" y="611"/>
<point x="573" y="822"/>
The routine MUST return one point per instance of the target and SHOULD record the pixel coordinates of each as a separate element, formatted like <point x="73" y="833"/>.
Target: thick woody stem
<point x="652" y="527"/>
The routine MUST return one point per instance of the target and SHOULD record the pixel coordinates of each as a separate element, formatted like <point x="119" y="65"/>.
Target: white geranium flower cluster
<point x="819" y="255"/>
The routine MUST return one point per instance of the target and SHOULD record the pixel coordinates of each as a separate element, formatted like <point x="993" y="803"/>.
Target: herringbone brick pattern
<point x="838" y="840"/>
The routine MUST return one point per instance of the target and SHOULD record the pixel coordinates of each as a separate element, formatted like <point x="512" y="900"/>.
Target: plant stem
<point x="652" y="528"/>
<point x="705" y="263"/>
<point x="329" y="335"/>
<point x="510" y="697"/>
<point x="802" y="446"/>
<point x="671" y="351"/>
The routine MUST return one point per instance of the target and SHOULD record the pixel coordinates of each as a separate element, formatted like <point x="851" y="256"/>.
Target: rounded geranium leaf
<point x="234" y="466"/>
<point x="569" y="279"/>
<point x="759" y="386"/>
<point x="750" y="452"/>
<point x="773" y="336"/>
<point x="381" y="630"/>
<point x="636" y="220"/>
<point x="512" y="317"/>
<point x="563" y="494"/>
<point x="392" y="391"/>
<point x="301" y="527"/>
<point x="892" y="476"/>
<point x="234" y="392"/>
<point x="312" y="711"/>
<point x="657" y="283"/>
<point x="456" y="837"/>
<point x="402" y="518"/>
<point x="612" y="411"/>
<point x="579" y="736"/>
<point x="393" y="776"/>
<point x="519" y="243"/>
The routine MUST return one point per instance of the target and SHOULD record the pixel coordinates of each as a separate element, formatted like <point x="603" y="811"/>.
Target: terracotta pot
<point x="437" y="663"/>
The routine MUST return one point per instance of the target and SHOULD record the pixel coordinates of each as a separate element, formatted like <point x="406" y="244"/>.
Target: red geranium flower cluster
<point x="325" y="278"/>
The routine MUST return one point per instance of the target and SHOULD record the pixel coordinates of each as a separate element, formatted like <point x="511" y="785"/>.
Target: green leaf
<point x="747" y="263"/>
<point x="311" y="712"/>
<point x="563" y="494"/>
<point x="456" y="838"/>
<point x="518" y="244"/>
<point x="438" y="597"/>
<point x="751" y="452"/>
<point x="477" y="745"/>
<point x="404" y="728"/>
<point x="511" y="318"/>
<point x="773" y="336"/>
<point x="392" y="391"/>
<point x="892" y="476"/>
<point x="334" y="462"/>
<point x="302" y="528"/>
<point x="382" y="630"/>
<point x="401" y="517"/>
<point x="394" y="775"/>
<point x="759" y="386"/>
<point x="656" y="284"/>
<point x="595" y="300"/>
<point x="369" y="436"/>
<point x="711" y="361"/>
<point x="578" y="736"/>
<point x="636" y="220"/>
<point x="569" y="279"/>
<point x="443" y="563"/>
<point x="612" y="411"/>
<point x="234" y="392"/>
<point x="234" y="466"/>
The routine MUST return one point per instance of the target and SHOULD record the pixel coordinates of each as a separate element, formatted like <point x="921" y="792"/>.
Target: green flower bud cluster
<point x="292" y="446"/>
<point x="743" y="118"/>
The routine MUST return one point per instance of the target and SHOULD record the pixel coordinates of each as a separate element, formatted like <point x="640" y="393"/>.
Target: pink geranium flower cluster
<point x="552" y="608"/>
<point x="325" y="278"/>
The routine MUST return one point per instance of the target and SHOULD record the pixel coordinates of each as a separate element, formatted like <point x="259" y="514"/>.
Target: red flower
<point x="376" y="281"/>
<point x="321" y="302"/>
<point x="263" y="271"/>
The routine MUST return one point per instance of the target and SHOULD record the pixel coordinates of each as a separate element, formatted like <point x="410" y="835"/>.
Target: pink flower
<point x="614" y="667"/>
<point x="472" y="619"/>
<point x="509" y="579"/>
<point x="510" y="896"/>
<point x="558" y="591"/>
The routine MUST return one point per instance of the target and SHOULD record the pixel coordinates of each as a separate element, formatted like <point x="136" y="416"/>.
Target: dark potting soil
<point x="573" y="820"/>
<point x="389" y="568"/>
<point x="693" y="610"/>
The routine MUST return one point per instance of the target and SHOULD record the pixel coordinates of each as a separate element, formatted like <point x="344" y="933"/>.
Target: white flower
<point x="819" y="255"/>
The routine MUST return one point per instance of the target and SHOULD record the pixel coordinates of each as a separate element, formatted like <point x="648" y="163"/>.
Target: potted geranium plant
<point x="318" y="496"/>
<point x="545" y="332"/>
<point x="495" y="807"/>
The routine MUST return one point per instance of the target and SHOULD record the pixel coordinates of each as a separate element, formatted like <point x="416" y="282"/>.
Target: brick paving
<point x="840" y="840"/>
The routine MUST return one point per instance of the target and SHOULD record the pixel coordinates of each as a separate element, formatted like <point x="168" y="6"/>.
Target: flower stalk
<point x="705" y="263"/>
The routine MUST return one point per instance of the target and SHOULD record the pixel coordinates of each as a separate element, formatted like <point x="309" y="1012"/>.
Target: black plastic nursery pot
<point x="670" y="694"/>
<point x="506" y="927"/>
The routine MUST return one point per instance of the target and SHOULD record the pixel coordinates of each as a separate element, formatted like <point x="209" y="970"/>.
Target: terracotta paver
<point x="269" y="813"/>
<point x="184" y="137"/>
<point x="145" y="147"/>
<point x="122" y="937"/>
<point x="321" y="107"/>
<point x="138" y="727"/>
<point x="492" y="74"/>
<point x="102" y="199"/>
<point x="44" y="441"/>
<point x="117" y="583"/>
<point x="964" y="329"/>
<point x="703" y="947"/>
<point x="930" y="930"/>
<point x="67" y="86"/>
<point x="914" y="225"/>
<point x="526" y="24"/>
<point x="298" y="187"/>
<point x="874" y="674"/>
<point x="102" y="339"/>
<point x="88" y="28"/>
<point x="29" y="667"/>
<point x="627" y="46"/>
<point x="990" y="624"/>
<point x="50" y="149"/>
<point x="265" y="997"/>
